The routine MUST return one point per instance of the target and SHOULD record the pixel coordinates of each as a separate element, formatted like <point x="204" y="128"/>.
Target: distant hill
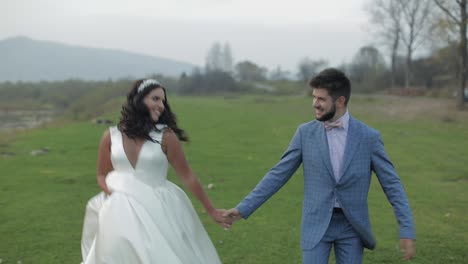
<point x="25" y="59"/>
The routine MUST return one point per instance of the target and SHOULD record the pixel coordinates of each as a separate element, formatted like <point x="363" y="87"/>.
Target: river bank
<point x="13" y="120"/>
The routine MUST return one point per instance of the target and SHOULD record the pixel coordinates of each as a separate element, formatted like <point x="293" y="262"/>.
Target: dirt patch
<point x="410" y="108"/>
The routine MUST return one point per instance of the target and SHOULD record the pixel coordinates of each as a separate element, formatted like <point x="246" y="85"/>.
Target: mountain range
<point x="26" y="59"/>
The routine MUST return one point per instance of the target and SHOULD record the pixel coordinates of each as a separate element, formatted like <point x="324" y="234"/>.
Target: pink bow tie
<point x="331" y="125"/>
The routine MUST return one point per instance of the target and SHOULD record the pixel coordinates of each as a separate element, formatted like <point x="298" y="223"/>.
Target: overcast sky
<point x="268" y="32"/>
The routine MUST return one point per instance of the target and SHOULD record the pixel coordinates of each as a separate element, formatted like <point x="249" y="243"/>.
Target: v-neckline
<point x="134" y="167"/>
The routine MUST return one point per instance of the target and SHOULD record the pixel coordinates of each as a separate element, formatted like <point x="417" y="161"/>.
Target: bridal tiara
<point x="147" y="83"/>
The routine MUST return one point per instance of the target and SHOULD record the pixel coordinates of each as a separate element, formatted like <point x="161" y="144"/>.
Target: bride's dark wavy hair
<point x="135" y="120"/>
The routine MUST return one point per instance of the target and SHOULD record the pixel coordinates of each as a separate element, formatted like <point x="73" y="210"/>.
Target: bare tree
<point x="219" y="58"/>
<point x="214" y="58"/>
<point x="227" y="54"/>
<point x="385" y="18"/>
<point x="250" y="72"/>
<point x="278" y="74"/>
<point x="367" y="68"/>
<point x="415" y="16"/>
<point x="450" y="8"/>
<point x="308" y="68"/>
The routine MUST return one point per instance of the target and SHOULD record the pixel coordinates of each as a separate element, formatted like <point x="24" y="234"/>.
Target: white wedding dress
<point x="147" y="219"/>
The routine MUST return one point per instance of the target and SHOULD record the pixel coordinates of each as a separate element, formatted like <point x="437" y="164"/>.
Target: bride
<point x="140" y="216"/>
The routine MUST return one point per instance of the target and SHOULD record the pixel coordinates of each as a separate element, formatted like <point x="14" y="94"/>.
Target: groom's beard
<point x="328" y="115"/>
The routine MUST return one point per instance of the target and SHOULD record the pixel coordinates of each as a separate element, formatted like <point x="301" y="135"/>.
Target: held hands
<point x="219" y="217"/>
<point x="407" y="248"/>
<point x="225" y="218"/>
<point x="231" y="216"/>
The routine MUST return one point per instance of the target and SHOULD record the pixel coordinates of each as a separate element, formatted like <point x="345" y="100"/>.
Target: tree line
<point x="404" y="27"/>
<point x="424" y="42"/>
<point x="401" y="29"/>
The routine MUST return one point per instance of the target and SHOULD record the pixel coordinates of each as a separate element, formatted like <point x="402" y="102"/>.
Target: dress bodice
<point x="151" y="165"/>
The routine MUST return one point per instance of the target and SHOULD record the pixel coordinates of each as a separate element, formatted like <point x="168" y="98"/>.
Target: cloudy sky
<point x="269" y="33"/>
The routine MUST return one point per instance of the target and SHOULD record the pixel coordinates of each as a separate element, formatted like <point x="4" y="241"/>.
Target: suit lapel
<point x="324" y="151"/>
<point x="352" y="142"/>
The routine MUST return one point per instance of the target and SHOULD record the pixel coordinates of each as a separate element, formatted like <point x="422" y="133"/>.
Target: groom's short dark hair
<point x="334" y="81"/>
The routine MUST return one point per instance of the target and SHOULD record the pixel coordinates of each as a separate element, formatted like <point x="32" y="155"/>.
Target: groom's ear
<point x="341" y="102"/>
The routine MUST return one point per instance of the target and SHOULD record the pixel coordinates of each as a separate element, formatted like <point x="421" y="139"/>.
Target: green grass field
<point x="235" y="140"/>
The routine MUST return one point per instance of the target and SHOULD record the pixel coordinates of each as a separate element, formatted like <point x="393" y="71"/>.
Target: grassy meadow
<point x="234" y="141"/>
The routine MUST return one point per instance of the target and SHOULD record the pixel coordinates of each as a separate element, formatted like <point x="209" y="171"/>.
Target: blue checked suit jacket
<point x="364" y="153"/>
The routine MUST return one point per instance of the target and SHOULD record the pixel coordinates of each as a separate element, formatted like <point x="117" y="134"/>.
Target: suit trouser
<point x="340" y="234"/>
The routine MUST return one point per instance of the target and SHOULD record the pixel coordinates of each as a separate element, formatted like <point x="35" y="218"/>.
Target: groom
<point x="338" y="154"/>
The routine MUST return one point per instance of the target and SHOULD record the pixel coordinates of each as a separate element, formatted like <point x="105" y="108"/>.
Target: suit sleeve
<point x="275" y="178"/>
<point x="393" y="188"/>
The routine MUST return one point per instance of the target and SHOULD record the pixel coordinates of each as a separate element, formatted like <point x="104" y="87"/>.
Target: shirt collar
<point x="345" y="120"/>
